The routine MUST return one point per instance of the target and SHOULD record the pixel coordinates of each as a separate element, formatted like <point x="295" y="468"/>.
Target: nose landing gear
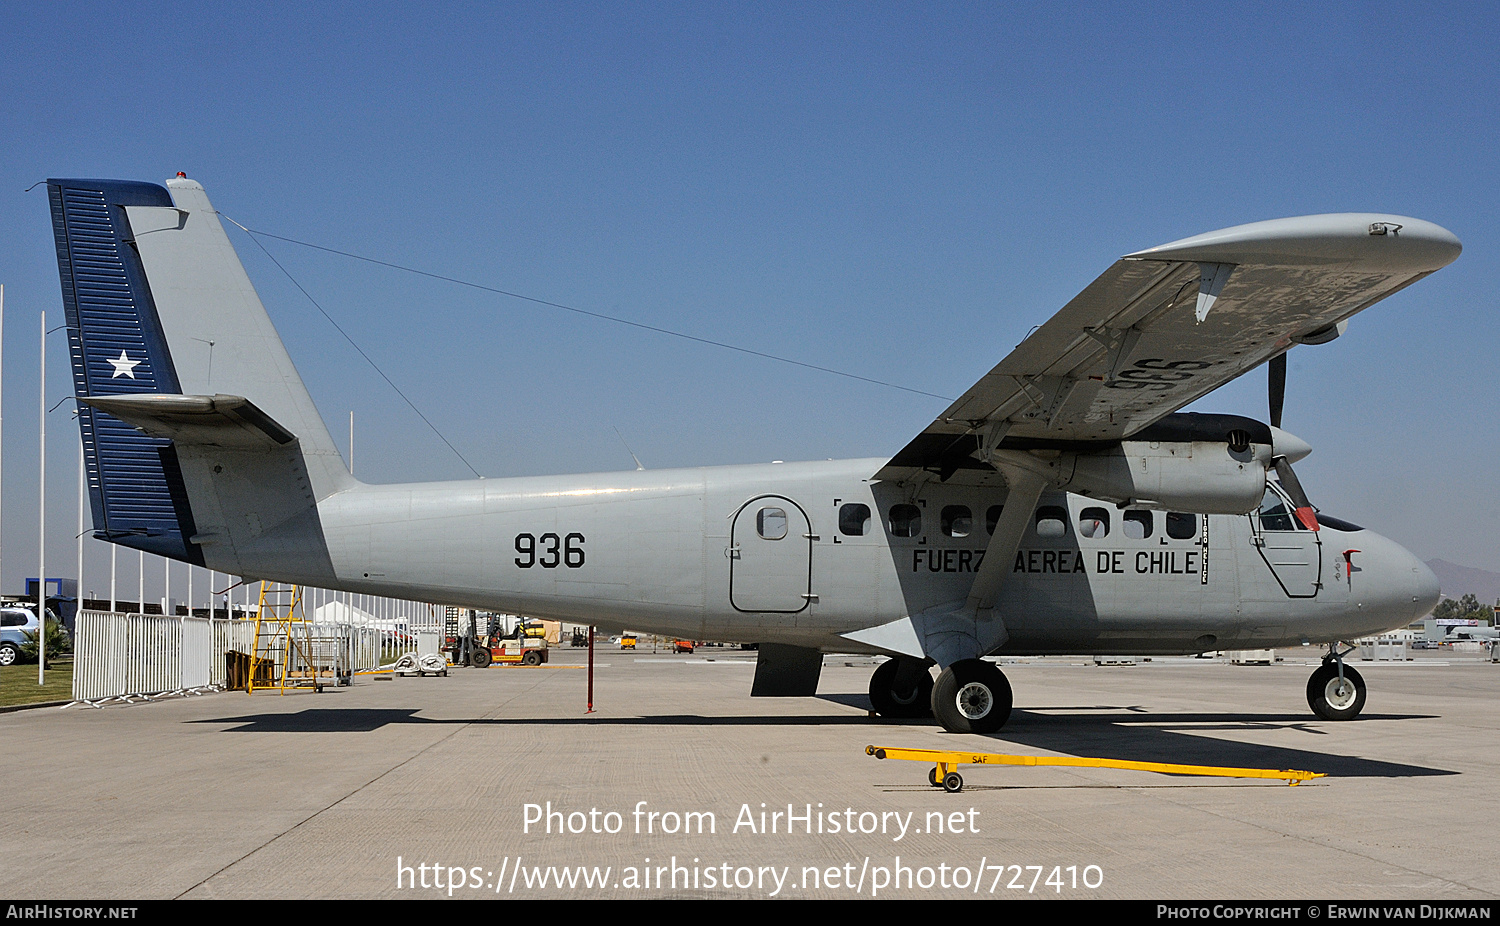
<point x="1336" y="691"/>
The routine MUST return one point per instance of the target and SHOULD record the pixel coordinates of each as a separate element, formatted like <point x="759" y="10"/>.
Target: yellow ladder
<point x="282" y="617"/>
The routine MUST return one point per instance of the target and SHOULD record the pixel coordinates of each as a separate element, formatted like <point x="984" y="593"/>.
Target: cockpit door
<point x="1293" y="553"/>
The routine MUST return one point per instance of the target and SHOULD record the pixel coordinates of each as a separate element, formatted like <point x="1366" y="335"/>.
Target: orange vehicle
<point x="682" y="646"/>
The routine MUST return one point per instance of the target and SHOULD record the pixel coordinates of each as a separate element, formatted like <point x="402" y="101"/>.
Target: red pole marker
<point x="591" y="672"/>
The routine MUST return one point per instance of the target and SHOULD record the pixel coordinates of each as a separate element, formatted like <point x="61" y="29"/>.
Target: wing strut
<point x="974" y="629"/>
<point x="953" y="631"/>
<point x="1025" y="489"/>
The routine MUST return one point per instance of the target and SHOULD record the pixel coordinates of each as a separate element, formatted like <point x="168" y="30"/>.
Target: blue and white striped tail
<point x="118" y="348"/>
<point x="157" y="303"/>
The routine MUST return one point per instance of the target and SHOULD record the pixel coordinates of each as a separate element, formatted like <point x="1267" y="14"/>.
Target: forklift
<point x="525" y="644"/>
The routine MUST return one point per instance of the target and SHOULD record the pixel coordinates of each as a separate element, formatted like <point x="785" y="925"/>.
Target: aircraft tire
<point x="894" y="705"/>
<point x="971" y="696"/>
<point x="1324" y="697"/>
<point x="482" y="658"/>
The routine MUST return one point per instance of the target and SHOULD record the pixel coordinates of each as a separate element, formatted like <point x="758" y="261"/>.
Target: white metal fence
<point x="229" y="636"/>
<point x="141" y="655"/>
<point x="363" y="644"/>
<point x="126" y="656"/>
<point x="357" y="649"/>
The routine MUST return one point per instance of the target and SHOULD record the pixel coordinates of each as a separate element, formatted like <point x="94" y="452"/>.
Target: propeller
<point x="1276" y="396"/>
<point x="1276" y="387"/>
<point x="1288" y="480"/>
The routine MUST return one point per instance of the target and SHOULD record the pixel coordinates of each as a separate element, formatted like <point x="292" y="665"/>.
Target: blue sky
<point x="897" y="191"/>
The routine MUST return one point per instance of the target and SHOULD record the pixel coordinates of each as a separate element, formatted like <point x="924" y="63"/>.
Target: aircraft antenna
<point x="255" y="235"/>
<point x="368" y="359"/>
<point x="638" y="467"/>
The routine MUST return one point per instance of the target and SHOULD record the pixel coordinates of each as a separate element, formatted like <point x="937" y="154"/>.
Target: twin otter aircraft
<point x="1061" y="505"/>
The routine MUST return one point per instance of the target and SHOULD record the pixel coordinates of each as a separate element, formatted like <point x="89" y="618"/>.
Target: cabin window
<point x="957" y="520"/>
<point x="770" y="523"/>
<point x="854" y="520"/>
<point x="1051" y="522"/>
<point x="992" y="517"/>
<point x="1137" y="525"/>
<point x="1093" y="523"/>
<point x="906" y="521"/>
<point x="1182" y="526"/>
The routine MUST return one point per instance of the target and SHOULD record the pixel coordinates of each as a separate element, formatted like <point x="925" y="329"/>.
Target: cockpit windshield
<point x="1276" y="512"/>
<point x="1338" y="524"/>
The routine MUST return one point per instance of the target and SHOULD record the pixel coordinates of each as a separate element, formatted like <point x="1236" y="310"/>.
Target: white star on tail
<point x="124" y="366"/>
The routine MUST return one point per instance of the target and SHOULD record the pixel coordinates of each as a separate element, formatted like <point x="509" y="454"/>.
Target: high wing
<point x="1165" y="326"/>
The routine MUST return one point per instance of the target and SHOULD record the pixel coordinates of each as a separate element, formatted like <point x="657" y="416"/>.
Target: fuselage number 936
<point x="549" y="551"/>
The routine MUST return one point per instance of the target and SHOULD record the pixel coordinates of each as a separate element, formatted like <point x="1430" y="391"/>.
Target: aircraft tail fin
<point x="158" y="305"/>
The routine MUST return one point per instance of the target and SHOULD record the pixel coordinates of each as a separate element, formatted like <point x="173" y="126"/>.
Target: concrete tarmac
<point x="681" y="785"/>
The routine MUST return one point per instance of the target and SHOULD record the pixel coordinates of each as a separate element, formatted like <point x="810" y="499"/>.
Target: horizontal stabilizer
<point x="244" y="477"/>
<point x="228" y="421"/>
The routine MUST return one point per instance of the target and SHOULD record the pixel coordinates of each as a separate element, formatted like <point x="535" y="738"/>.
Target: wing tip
<point x="1397" y="243"/>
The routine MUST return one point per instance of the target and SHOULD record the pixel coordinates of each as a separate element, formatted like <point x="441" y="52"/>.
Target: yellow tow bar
<point x="945" y="774"/>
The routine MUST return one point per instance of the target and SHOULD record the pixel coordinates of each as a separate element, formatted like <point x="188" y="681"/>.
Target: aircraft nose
<point x="1424" y="589"/>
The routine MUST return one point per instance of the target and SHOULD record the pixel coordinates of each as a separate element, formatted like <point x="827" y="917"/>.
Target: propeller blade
<point x="1276" y="387"/>
<point x="1289" y="482"/>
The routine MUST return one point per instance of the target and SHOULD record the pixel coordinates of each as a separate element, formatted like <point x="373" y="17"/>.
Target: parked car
<point x="13" y="623"/>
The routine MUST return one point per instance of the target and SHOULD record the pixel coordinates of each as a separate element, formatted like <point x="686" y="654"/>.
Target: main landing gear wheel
<point x="971" y="696"/>
<point x="1334" y="700"/>
<point x="893" y="704"/>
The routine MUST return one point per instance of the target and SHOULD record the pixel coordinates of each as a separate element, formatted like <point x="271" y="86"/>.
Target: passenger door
<point x="770" y="556"/>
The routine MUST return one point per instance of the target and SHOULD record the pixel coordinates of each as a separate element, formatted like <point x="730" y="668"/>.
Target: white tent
<point x="337" y="612"/>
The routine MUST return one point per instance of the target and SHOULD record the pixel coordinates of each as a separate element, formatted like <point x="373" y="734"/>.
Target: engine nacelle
<point x="1205" y="477"/>
<point x="1190" y="462"/>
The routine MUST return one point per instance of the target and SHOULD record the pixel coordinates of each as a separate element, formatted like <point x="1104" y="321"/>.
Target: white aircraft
<point x="1061" y="505"/>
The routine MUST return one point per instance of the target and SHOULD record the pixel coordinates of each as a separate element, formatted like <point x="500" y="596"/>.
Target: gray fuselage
<point x="682" y="553"/>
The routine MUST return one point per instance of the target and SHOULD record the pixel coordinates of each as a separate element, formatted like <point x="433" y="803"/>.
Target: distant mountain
<point x="1458" y="581"/>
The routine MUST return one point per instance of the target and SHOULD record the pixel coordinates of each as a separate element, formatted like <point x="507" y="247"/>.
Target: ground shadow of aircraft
<point x="1112" y="732"/>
